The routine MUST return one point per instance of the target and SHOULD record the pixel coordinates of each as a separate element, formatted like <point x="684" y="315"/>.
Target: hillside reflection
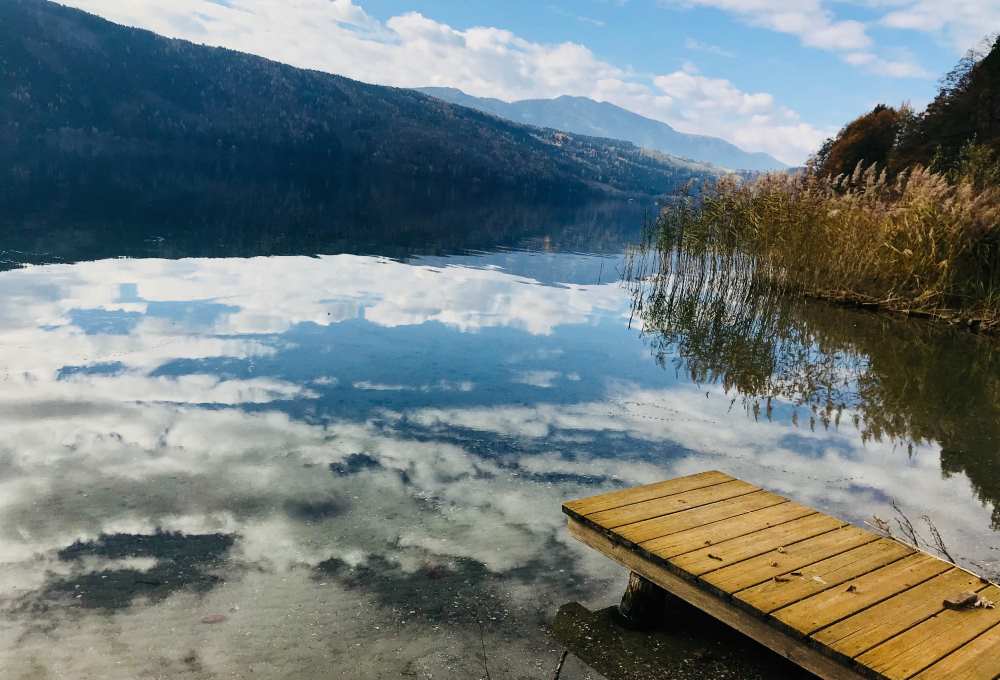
<point x="903" y="381"/>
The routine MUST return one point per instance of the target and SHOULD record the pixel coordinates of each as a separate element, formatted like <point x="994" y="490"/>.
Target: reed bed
<point x="920" y="243"/>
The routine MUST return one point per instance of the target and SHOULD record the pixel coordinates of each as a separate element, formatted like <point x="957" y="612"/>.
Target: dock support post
<point x="643" y="603"/>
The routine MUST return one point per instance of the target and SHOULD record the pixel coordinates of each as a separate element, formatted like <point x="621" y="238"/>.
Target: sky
<point x="768" y="75"/>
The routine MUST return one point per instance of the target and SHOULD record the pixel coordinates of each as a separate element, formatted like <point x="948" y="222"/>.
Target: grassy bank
<point x="921" y="242"/>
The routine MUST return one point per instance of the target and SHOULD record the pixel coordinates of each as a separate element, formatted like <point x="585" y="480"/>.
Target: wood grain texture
<point x="809" y="615"/>
<point x="748" y="624"/>
<point x="719" y="532"/>
<point x="649" y="529"/>
<point x="823" y="575"/>
<point x="838" y="600"/>
<point x="794" y="557"/>
<point x="750" y="545"/>
<point x="977" y="660"/>
<point x="863" y="631"/>
<point x="923" y="645"/>
<point x="615" y="499"/>
<point x="657" y="507"/>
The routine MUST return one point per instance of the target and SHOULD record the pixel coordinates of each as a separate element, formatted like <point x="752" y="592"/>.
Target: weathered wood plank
<point x="796" y="556"/>
<point x="923" y="645"/>
<point x="825" y="574"/>
<point x="718" y="532"/>
<point x="977" y="660"/>
<point x="614" y="499"/>
<point x="809" y="615"/>
<point x="736" y="550"/>
<point x="840" y="601"/>
<point x="636" y="512"/>
<point x="863" y="631"/>
<point x="707" y="514"/>
<point x="745" y="622"/>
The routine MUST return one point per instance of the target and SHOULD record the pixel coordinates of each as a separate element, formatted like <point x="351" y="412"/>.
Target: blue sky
<point x="769" y="75"/>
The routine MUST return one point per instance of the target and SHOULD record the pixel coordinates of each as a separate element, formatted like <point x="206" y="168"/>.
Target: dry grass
<point x="921" y="243"/>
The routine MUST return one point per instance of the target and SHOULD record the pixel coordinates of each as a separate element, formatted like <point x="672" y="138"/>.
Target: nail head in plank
<point x="657" y="507"/>
<point x="869" y="628"/>
<point x="649" y="529"/>
<point x="809" y="615"/>
<point x="615" y="499"/>
<point x="795" y="557"/>
<point x="825" y="574"/>
<point x="929" y="642"/>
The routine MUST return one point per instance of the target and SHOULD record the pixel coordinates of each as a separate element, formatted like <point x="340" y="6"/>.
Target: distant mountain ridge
<point x="585" y="116"/>
<point x="123" y="118"/>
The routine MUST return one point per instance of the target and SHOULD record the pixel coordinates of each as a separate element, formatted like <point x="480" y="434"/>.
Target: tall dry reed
<point x="920" y="243"/>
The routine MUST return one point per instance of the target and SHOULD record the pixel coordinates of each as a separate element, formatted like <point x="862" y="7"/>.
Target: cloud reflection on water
<point x="337" y="414"/>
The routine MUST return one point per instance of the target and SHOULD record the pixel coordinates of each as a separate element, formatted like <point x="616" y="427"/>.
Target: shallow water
<point x="352" y="466"/>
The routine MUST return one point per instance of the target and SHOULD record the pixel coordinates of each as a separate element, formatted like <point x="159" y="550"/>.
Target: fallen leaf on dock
<point x="774" y="563"/>
<point x="852" y="588"/>
<point x="968" y="600"/>
<point x="715" y="557"/>
<point x="782" y="579"/>
<point x="796" y="573"/>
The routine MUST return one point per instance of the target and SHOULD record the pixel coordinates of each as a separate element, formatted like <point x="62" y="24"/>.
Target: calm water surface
<point x="358" y="461"/>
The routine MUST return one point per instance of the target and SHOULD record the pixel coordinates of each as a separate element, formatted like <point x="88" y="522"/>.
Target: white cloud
<point x="961" y="23"/>
<point x="411" y="50"/>
<point x="699" y="46"/>
<point x="815" y="25"/>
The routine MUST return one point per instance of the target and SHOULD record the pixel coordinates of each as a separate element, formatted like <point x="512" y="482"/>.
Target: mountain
<point x="93" y="114"/>
<point x="601" y="119"/>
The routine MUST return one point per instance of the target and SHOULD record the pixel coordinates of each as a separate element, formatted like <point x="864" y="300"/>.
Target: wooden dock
<point x="840" y="601"/>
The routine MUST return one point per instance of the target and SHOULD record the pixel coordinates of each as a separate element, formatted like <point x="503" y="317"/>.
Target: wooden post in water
<point x="643" y="603"/>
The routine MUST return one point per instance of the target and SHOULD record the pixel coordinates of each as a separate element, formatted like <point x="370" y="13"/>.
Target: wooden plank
<point x="825" y="574"/>
<point x="717" y="533"/>
<point x="923" y="645"/>
<point x="809" y="615"/>
<point x="614" y="499"/>
<point x="863" y="631"/>
<point x="757" y="570"/>
<point x="977" y="660"/>
<point x="735" y="550"/>
<point x="636" y="512"/>
<point x="688" y="519"/>
<point x="795" y="650"/>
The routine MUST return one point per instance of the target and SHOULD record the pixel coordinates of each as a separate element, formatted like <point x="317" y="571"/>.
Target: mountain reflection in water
<point x="349" y="462"/>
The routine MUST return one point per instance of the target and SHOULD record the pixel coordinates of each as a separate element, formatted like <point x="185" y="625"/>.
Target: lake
<point x="346" y="459"/>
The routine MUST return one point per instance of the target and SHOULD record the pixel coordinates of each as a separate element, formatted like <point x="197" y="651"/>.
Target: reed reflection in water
<point x="778" y="355"/>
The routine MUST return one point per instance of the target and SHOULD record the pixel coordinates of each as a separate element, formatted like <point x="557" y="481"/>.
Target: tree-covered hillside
<point x="87" y="103"/>
<point x="957" y="134"/>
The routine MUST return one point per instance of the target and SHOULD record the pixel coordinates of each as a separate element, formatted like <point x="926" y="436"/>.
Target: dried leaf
<point x="715" y="557"/>
<point x="774" y="563"/>
<point x="968" y="600"/>
<point x="782" y="579"/>
<point x="796" y="573"/>
<point x="852" y="588"/>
